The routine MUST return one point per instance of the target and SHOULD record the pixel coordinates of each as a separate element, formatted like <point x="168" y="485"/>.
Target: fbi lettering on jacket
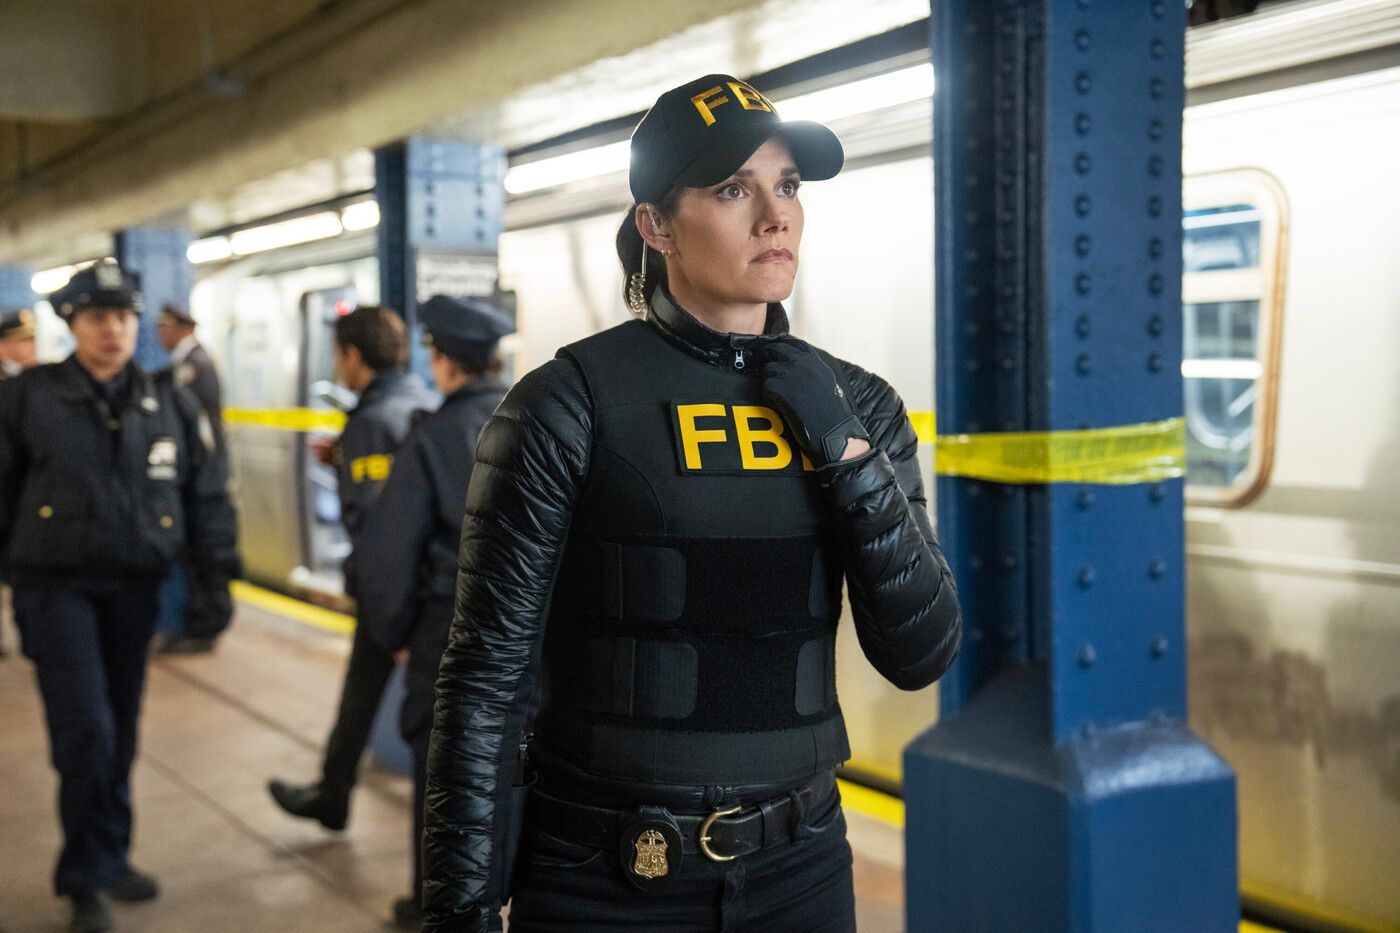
<point x="716" y="437"/>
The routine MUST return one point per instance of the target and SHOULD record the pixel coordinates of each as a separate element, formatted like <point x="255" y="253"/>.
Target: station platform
<point x="215" y="728"/>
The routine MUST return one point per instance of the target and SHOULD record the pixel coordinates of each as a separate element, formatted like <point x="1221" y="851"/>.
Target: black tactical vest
<point x="692" y="630"/>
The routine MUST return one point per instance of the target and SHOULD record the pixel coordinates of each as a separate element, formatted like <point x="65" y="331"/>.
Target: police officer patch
<point x="162" y="459"/>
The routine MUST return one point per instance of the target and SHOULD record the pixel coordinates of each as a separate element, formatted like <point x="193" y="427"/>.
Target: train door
<point x="325" y="544"/>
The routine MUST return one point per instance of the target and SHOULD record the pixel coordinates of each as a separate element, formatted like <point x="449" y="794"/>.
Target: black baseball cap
<point x="698" y="134"/>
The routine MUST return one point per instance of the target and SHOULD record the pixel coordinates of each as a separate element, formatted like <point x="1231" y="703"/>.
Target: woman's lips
<point x="774" y="255"/>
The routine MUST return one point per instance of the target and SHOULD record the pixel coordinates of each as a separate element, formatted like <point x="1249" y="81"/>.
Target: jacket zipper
<point x="738" y="359"/>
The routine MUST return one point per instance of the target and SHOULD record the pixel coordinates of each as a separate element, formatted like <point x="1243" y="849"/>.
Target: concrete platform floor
<point x="215" y="729"/>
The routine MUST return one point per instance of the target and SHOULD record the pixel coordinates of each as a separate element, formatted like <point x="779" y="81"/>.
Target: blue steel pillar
<point x="440" y="205"/>
<point x="15" y="292"/>
<point x="440" y="209"/>
<point x="157" y="254"/>
<point x="1062" y="789"/>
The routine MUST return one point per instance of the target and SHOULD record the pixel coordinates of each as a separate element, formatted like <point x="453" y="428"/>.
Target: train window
<point x="1233" y="232"/>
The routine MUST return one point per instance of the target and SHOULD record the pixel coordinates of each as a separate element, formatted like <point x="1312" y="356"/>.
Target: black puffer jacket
<point x="533" y="459"/>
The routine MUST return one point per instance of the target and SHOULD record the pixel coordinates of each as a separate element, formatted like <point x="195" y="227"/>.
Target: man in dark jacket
<point x="371" y="349"/>
<point x="412" y="532"/>
<point x="104" y="482"/>
<point x="17" y="353"/>
<point x="205" y="613"/>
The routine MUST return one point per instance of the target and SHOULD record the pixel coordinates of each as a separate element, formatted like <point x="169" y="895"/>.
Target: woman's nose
<point x="773" y="213"/>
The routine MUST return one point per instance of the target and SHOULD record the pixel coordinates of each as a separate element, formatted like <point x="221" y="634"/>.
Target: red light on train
<point x="342" y="308"/>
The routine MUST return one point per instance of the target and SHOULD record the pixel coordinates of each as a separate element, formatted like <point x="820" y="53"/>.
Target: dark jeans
<point x="799" y="887"/>
<point x="365" y="677"/>
<point x="89" y="654"/>
<point x="420" y="792"/>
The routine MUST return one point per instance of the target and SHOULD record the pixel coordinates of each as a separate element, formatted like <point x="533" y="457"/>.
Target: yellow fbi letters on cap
<point x="715" y="438"/>
<point x="708" y="101"/>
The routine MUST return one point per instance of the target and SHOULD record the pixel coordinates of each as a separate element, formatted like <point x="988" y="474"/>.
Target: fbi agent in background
<point x="208" y="607"/>
<point x="659" y="520"/>
<point x="371" y="351"/>
<point x="104" y="482"/>
<point x="412" y="533"/>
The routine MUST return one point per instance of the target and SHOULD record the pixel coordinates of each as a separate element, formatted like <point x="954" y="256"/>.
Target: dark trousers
<point x="799" y="887"/>
<point x="89" y="654"/>
<point x="365" y="677"/>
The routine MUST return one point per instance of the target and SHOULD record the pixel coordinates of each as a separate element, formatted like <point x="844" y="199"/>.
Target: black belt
<point x="721" y="835"/>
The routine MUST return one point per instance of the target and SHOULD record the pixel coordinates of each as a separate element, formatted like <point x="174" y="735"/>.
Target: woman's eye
<point x="789" y="187"/>
<point x="731" y="191"/>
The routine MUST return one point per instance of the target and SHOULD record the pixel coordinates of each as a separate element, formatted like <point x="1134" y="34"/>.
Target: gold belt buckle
<point x="705" y="849"/>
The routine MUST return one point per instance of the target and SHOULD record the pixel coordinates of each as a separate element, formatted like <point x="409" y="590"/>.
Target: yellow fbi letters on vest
<point x="716" y="438"/>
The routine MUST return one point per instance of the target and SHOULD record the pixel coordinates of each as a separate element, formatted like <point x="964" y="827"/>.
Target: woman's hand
<point x="798" y="383"/>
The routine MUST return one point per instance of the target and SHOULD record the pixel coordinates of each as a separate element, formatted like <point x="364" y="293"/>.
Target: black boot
<point x="312" y="802"/>
<point x="91" y="913"/>
<point x="135" y="887"/>
<point x="408" y="913"/>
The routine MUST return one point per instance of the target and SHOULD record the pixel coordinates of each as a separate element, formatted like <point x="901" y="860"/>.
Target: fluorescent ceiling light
<point x="1222" y="369"/>
<point x="587" y="163"/>
<point x="863" y="96"/>
<point x="49" y="281"/>
<point x="360" y="216"/>
<point x="209" y="249"/>
<point x="286" y="233"/>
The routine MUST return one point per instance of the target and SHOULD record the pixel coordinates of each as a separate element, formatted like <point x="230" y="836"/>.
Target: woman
<point x="657" y="527"/>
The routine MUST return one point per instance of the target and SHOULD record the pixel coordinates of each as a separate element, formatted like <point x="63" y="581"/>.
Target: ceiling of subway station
<point x="215" y="112"/>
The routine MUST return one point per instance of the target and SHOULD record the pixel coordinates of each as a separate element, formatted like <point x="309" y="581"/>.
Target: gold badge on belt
<point x="651" y="855"/>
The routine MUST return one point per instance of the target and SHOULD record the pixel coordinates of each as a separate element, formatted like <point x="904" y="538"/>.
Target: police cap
<point x="466" y="328"/>
<point x="104" y="285"/>
<point x="174" y="314"/>
<point x="700" y="133"/>
<point x="17" y="325"/>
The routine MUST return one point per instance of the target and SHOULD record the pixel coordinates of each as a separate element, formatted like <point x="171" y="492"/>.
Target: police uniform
<point x="192" y="368"/>
<point x="363" y="454"/>
<point x="102" y="487"/>
<point x="411" y="534"/>
<point x="659" y="523"/>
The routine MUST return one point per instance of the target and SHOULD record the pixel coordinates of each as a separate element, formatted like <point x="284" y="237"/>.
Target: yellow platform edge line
<point x="327" y="620"/>
<point x="1305" y="908"/>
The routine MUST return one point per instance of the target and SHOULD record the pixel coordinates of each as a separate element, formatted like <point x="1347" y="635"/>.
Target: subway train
<point x="1291" y="298"/>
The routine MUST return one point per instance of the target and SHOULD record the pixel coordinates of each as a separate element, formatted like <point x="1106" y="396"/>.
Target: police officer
<point x="17" y="353"/>
<point x="371" y="351"/>
<point x="412" y="533"/>
<point x="104" y="481"/>
<point x="207" y="607"/>
<point x="659" y="522"/>
<point x="17" y="344"/>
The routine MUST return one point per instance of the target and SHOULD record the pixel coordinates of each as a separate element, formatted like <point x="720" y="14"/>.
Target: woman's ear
<point x="653" y="229"/>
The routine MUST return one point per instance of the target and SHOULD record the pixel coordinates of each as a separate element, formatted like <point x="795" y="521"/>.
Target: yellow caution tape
<point x="1130" y="453"/>
<point x="287" y="419"/>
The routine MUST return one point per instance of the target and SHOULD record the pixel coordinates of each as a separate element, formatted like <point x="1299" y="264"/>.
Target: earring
<point x="637" y="289"/>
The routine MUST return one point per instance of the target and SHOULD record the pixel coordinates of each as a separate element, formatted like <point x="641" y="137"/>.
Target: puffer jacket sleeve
<point x="531" y="461"/>
<point x="903" y="598"/>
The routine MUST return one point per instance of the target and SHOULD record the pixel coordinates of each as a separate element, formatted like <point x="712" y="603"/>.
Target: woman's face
<point x="737" y="242"/>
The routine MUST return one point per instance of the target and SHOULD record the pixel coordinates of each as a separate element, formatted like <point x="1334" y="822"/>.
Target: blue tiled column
<point x="157" y="254"/>
<point x="1062" y="789"/>
<point x="15" y="292"/>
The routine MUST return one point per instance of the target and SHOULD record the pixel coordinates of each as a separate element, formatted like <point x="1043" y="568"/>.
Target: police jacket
<point x="410" y="537"/>
<point x="94" y="491"/>
<point x="373" y="432"/>
<point x="641" y="528"/>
